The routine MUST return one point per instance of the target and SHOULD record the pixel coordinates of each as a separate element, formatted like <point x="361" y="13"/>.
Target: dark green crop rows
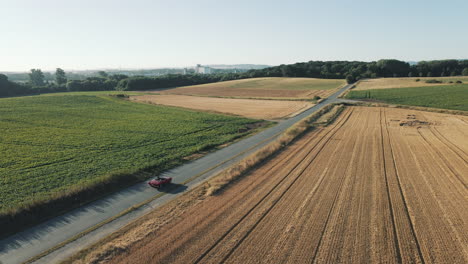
<point x="453" y="97"/>
<point x="49" y="144"/>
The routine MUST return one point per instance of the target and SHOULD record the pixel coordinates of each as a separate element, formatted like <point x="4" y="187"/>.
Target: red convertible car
<point x="159" y="182"/>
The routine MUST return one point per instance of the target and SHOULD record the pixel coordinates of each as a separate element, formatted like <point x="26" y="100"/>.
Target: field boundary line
<point x="397" y="174"/>
<point x="260" y="201"/>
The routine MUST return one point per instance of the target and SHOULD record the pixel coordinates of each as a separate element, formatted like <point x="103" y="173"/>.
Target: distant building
<point x="203" y="69"/>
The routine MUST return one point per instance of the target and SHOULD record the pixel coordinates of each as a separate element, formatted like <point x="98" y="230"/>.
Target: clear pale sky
<point x="90" y="34"/>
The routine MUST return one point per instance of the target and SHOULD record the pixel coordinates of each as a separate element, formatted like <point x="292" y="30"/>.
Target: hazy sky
<point x="87" y="34"/>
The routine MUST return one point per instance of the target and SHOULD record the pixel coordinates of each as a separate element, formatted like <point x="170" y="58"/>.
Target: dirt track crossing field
<point x="258" y="109"/>
<point x="380" y="185"/>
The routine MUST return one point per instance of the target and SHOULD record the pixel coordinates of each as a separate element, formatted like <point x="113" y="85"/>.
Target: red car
<point x="159" y="182"/>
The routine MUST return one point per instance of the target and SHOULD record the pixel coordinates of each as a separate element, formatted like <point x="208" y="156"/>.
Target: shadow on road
<point x="173" y="188"/>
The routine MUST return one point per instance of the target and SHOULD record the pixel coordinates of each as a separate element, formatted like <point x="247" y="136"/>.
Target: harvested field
<point x="258" y="109"/>
<point x="385" y="83"/>
<point x="273" y="87"/>
<point x="366" y="189"/>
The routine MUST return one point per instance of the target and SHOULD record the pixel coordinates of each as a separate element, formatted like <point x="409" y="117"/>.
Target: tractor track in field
<point x="403" y="197"/>
<point x="447" y="143"/>
<point x="444" y="160"/>
<point x="392" y="213"/>
<point x="463" y="120"/>
<point x="333" y="131"/>
<point x="327" y="221"/>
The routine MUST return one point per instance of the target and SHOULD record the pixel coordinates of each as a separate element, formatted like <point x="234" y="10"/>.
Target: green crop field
<point x="453" y="97"/>
<point x="52" y="143"/>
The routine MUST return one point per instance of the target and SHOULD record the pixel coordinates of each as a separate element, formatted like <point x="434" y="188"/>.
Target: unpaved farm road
<point x="379" y="185"/>
<point x="25" y="245"/>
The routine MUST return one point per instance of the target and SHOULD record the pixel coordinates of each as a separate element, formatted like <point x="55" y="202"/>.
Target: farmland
<point x="251" y="108"/>
<point x="380" y="185"/>
<point x="386" y="83"/>
<point x="52" y="144"/>
<point x="272" y="87"/>
<point x="453" y="97"/>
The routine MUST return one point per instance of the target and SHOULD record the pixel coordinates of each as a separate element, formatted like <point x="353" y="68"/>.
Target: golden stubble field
<point x="386" y="83"/>
<point x="251" y="108"/>
<point x="379" y="185"/>
<point x="271" y="87"/>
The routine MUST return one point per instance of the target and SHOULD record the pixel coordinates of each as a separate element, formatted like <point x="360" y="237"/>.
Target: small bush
<point x="316" y="97"/>
<point x="459" y="81"/>
<point x="433" y="81"/>
<point x="451" y="82"/>
<point x="121" y="95"/>
<point x="418" y="80"/>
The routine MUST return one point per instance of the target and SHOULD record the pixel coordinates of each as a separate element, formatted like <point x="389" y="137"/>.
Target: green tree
<point x="393" y="68"/>
<point x="36" y="77"/>
<point x="350" y="79"/>
<point x="465" y="72"/>
<point x="3" y="85"/>
<point x="74" y="85"/>
<point x="60" y="77"/>
<point x="103" y="74"/>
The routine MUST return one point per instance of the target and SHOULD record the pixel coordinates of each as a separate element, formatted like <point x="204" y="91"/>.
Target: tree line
<point x="355" y="70"/>
<point x="349" y="70"/>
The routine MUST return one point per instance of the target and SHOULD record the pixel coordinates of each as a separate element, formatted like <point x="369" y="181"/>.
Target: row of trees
<point x="349" y="70"/>
<point x="173" y="80"/>
<point x="354" y="70"/>
<point x="38" y="84"/>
